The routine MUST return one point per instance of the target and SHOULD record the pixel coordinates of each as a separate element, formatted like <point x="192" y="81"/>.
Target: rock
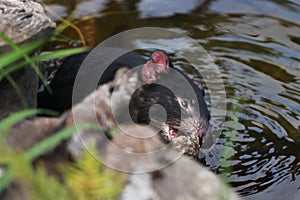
<point x="167" y="174"/>
<point x="10" y="101"/>
<point x="186" y="179"/>
<point x="96" y="109"/>
<point x="16" y="191"/>
<point x="29" y="132"/>
<point x="157" y="170"/>
<point x="22" y="22"/>
<point x="139" y="186"/>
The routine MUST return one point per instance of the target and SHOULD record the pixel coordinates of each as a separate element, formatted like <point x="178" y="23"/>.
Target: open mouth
<point x="188" y="142"/>
<point x="169" y="133"/>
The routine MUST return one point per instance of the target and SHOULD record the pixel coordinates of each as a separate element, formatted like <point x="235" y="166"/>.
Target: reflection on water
<point x="256" y="45"/>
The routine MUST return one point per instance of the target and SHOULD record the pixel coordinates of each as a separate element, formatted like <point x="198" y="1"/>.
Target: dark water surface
<point x="256" y="46"/>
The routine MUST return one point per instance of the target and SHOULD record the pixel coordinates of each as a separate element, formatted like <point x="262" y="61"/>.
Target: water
<point x="256" y="46"/>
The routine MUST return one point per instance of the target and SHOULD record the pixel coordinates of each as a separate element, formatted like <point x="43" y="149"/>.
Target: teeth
<point x="166" y="129"/>
<point x="172" y="134"/>
<point x="169" y="133"/>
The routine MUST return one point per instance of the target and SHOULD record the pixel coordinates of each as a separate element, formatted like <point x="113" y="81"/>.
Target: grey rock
<point x="22" y="22"/>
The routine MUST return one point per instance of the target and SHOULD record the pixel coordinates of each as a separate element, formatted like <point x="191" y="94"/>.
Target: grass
<point x="84" y="179"/>
<point x="11" y="159"/>
<point x="20" y="58"/>
<point x="17" y="166"/>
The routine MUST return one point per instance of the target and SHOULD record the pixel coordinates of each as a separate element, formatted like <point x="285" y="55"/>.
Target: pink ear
<point x="156" y="66"/>
<point x="159" y="57"/>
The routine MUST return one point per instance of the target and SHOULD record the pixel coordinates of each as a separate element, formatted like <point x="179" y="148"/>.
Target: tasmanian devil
<point x="164" y="85"/>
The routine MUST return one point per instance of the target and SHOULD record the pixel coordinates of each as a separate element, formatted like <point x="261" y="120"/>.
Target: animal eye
<point x="184" y="103"/>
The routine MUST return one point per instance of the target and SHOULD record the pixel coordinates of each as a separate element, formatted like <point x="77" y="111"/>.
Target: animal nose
<point x="201" y="132"/>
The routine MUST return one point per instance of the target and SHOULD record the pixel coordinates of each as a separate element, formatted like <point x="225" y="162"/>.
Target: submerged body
<point x="181" y="98"/>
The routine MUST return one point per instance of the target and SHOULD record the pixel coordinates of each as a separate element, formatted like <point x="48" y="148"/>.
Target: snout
<point x="194" y="129"/>
<point x="202" y="128"/>
<point x="194" y="126"/>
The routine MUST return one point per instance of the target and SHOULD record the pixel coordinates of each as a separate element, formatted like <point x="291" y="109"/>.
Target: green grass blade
<point x="23" y="52"/>
<point x="43" y="57"/>
<point x="65" y="23"/>
<point x="51" y="141"/>
<point x="54" y="55"/>
<point x="41" y="147"/>
<point x="8" y="122"/>
<point x="16" y="54"/>
<point x="55" y="139"/>
<point x="59" y="54"/>
<point x="5" y="179"/>
<point x="17" y="89"/>
<point x="19" y="53"/>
